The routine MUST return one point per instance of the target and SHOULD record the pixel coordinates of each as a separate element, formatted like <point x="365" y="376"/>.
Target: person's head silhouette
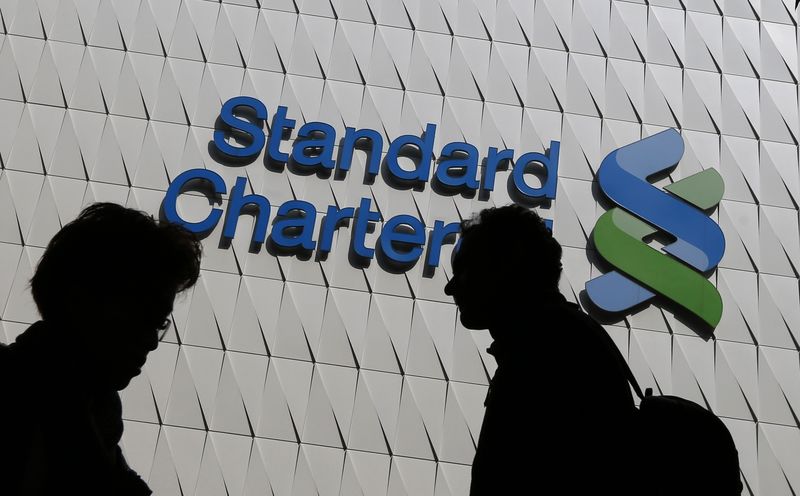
<point x="505" y="262"/>
<point x="107" y="283"/>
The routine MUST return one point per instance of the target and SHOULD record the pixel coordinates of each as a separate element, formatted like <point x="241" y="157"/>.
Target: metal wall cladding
<point x="314" y="377"/>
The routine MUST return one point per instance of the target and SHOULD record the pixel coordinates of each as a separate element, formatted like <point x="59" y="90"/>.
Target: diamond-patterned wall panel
<point x="296" y="375"/>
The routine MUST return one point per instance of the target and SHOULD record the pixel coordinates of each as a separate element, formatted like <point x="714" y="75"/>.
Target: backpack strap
<point x="613" y="349"/>
<point x="631" y="379"/>
<point x="624" y="365"/>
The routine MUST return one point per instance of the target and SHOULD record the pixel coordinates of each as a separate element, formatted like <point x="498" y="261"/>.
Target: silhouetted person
<point x="559" y="409"/>
<point x="104" y="287"/>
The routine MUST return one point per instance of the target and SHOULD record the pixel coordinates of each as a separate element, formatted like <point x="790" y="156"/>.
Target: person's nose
<point x="449" y="287"/>
<point x="151" y="343"/>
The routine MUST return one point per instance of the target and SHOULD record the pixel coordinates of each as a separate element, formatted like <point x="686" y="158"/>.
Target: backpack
<point x="683" y="448"/>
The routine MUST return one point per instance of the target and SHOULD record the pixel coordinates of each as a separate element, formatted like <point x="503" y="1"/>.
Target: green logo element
<point x="676" y="272"/>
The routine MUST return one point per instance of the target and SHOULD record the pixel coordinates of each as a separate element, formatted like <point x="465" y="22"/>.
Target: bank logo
<point x="677" y="271"/>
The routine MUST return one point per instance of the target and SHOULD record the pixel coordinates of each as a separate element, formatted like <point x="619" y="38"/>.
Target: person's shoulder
<point x="9" y="361"/>
<point x="6" y="355"/>
<point x="21" y="362"/>
<point x="584" y="332"/>
<point x="13" y="385"/>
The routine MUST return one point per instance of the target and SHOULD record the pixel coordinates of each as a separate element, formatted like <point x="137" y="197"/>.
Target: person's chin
<point x="121" y="383"/>
<point x="123" y="380"/>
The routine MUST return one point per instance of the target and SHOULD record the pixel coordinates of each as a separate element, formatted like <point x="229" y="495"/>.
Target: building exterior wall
<point x="314" y="376"/>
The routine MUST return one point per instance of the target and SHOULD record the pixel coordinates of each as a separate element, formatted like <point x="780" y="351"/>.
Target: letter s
<point x="254" y="131"/>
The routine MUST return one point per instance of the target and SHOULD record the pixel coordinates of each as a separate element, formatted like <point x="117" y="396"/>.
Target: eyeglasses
<point x="163" y="328"/>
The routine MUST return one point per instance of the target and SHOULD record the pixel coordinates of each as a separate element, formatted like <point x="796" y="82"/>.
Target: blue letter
<point x="255" y="133"/>
<point x="333" y="218"/>
<point x="170" y="204"/>
<point x="425" y="147"/>
<point x="238" y="200"/>
<point x="493" y="161"/>
<point x="413" y="240"/>
<point x="363" y="218"/>
<point x="351" y="141"/>
<point x="322" y="157"/>
<point x="279" y="123"/>
<point x="550" y="164"/>
<point x="467" y="167"/>
<point x="305" y="222"/>
<point x="437" y="238"/>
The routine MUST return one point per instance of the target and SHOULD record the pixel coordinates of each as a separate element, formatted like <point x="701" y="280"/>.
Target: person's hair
<point x="514" y="240"/>
<point x="114" y="250"/>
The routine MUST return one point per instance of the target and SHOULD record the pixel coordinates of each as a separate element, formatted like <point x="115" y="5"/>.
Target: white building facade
<point x="314" y="373"/>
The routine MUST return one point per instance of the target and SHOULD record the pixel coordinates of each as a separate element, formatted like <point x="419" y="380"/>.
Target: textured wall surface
<point x="314" y="377"/>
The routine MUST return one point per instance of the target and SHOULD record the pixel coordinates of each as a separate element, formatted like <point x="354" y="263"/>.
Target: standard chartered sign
<point x="678" y="271"/>
<point x="403" y="238"/>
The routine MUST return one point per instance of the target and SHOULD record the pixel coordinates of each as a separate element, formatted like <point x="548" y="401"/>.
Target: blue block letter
<point x="354" y="138"/>
<point x="238" y="201"/>
<point x="304" y="223"/>
<point x="466" y="167"/>
<point x="550" y="164"/>
<point x="279" y="124"/>
<point x="424" y="146"/>
<point x="238" y="127"/>
<point x="321" y="148"/>
<point x="182" y="183"/>
<point x="411" y="239"/>
<point x="363" y="219"/>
